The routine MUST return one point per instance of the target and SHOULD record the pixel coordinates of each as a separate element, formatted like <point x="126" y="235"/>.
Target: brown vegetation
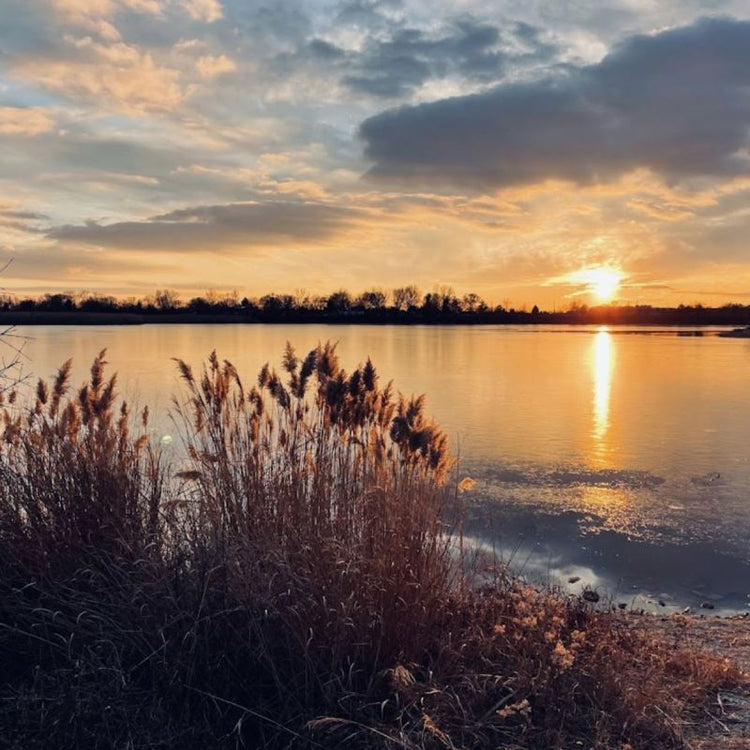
<point x="297" y="581"/>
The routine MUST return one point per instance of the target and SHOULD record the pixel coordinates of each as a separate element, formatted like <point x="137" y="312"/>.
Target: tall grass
<point x="291" y="581"/>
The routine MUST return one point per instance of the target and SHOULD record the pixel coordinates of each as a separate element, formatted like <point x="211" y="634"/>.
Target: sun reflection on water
<point x="602" y="361"/>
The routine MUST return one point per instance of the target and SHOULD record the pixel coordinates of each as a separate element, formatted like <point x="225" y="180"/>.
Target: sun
<point x="605" y="282"/>
<point x="602" y="282"/>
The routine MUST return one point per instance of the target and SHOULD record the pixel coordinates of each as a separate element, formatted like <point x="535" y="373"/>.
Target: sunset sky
<point x="508" y="148"/>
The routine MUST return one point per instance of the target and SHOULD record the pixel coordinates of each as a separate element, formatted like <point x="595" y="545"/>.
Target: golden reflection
<point x="602" y="359"/>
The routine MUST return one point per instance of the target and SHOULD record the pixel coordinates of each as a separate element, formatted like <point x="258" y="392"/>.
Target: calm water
<point x="620" y="456"/>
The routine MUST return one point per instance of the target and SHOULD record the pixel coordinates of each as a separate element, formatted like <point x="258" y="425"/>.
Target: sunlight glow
<point x="602" y="282"/>
<point x="602" y="360"/>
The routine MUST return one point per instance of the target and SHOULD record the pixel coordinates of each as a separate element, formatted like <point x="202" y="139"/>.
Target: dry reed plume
<point x="292" y="583"/>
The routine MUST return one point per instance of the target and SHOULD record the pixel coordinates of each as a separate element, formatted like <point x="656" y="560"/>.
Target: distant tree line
<point x="404" y="304"/>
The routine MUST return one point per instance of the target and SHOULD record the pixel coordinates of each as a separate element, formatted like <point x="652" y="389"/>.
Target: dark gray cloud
<point x="406" y="58"/>
<point x="410" y="57"/>
<point x="367" y="14"/>
<point x="19" y="220"/>
<point x="12" y="213"/>
<point x="213" y="227"/>
<point x="675" y="102"/>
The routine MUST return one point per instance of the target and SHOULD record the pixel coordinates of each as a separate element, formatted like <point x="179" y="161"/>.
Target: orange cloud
<point x="25" y="121"/>
<point x="96" y="15"/>
<point x="204" y="10"/>
<point x="659" y="211"/>
<point x="117" y="76"/>
<point x="211" y="66"/>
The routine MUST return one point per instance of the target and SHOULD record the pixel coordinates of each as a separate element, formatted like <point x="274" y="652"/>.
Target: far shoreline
<point x="375" y="318"/>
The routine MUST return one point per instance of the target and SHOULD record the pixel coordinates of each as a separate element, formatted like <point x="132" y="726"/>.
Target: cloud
<point x="21" y="220"/>
<point x="204" y="10"/>
<point x="659" y="211"/>
<point x="369" y="14"/>
<point x="395" y="64"/>
<point x="675" y="102"/>
<point x="83" y="12"/>
<point x="25" y="121"/>
<point x="410" y="57"/>
<point x="216" y="227"/>
<point x="211" y="66"/>
<point x="97" y="16"/>
<point x="52" y="267"/>
<point x="114" y="75"/>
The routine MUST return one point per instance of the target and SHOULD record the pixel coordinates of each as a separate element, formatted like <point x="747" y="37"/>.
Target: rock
<point x="707" y="605"/>
<point x="574" y="579"/>
<point x="662" y="603"/>
<point x="622" y="605"/>
<point x="686" y="611"/>
<point x="590" y="596"/>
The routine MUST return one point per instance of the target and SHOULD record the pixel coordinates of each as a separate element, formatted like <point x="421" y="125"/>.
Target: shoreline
<point x="82" y="318"/>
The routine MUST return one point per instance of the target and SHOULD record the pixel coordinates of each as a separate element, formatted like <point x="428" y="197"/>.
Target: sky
<point x="513" y="149"/>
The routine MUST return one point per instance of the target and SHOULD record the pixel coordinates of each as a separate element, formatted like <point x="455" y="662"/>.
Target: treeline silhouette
<point x="403" y="305"/>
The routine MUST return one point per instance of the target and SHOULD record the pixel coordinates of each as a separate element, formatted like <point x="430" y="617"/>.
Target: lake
<point x="619" y="456"/>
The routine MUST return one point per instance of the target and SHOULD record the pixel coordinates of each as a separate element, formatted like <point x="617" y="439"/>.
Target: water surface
<point x="617" y="455"/>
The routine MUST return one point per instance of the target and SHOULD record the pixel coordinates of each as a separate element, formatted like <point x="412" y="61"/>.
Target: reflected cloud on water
<point x="552" y="548"/>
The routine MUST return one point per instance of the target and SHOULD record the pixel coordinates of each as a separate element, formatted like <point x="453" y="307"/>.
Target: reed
<point x="292" y="580"/>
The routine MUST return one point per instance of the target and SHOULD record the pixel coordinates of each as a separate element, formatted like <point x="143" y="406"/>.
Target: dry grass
<point x="296" y="583"/>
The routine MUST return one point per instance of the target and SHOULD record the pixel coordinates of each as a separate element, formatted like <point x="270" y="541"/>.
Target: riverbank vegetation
<point x="404" y="305"/>
<point x="294" y="575"/>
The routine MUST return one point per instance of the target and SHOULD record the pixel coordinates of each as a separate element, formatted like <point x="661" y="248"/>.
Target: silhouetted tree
<point x="406" y="297"/>
<point x="339" y="301"/>
<point x="271" y="303"/>
<point x="98" y="303"/>
<point x="199" y="305"/>
<point x="431" y="304"/>
<point x="166" y="300"/>
<point x="302" y="299"/>
<point x="248" y="306"/>
<point x="375" y="299"/>
<point x="471" y="302"/>
<point x="57" y="302"/>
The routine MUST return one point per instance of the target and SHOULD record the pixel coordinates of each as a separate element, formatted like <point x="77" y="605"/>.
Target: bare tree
<point x="11" y="353"/>
<point x="302" y="298"/>
<point x="166" y="299"/>
<point x="406" y="296"/>
<point x="373" y="299"/>
<point x="11" y="358"/>
<point x="471" y="302"/>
